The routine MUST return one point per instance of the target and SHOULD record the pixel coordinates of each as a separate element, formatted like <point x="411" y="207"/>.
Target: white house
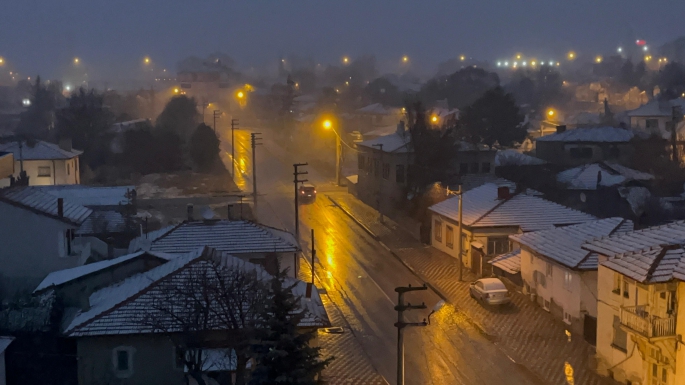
<point x="491" y="213"/>
<point x="654" y="116"/>
<point x="37" y="233"/>
<point x="250" y="241"/>
<point x="45" y="163"/>
<point x="640" y="318"/>
<point x="562" y="277"/>
<point x="4" y="343"/>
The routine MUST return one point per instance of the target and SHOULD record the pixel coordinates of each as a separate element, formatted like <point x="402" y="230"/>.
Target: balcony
<point x="639" y="319"/>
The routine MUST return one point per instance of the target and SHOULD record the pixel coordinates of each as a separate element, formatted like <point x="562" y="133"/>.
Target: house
<point x="6" y="165"/>
<point x="375" y="116"/>
<point x="121" y="326"/>
<point x="45" y="163"/>
<point x="384" y="161"/>
<point x="560" y="275"/>
<point x="4" y="343"/>
<point x="641" y="281"/>
<point x="49" y="228"/>
<point x="244" y="239"/>
<point x="654" y="117"/>
<point x="491" y="213"/>
<point x="586" y="145"/>
<point x="37" y="235"/>
<point x="592" y="176"/>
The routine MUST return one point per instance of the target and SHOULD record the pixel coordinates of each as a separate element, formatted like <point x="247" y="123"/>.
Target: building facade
<point x="44" y="163"/>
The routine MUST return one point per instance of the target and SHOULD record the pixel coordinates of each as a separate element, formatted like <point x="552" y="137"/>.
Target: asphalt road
<point x="363" y="275"/>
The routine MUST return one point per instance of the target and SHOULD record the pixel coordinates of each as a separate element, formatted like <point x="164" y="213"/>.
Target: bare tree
<point x="212" y="303"/>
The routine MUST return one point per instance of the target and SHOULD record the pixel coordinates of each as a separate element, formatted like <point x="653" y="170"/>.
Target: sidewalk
<point x="525" y="332"/>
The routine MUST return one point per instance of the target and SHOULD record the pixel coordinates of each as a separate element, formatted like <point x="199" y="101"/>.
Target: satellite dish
<point x="207" y="213"/>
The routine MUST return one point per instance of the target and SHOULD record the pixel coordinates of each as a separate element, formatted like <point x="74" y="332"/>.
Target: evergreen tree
<point x="283" y="354"/>
<point x="204" y="147"/>
<point x="495" y="117"/>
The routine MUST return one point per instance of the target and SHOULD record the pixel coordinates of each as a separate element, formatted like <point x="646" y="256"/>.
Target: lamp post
<point x="327" y="124"/>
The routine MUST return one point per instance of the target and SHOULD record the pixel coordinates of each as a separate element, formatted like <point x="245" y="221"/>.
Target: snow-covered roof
<point x="585" y="177"/>
<point x="42" y="203"/>
<point x="391" y="143"/>
<point x="128" y="125"/>
<point x="101" y="222"/>
<point x="57" y="278"/>
<point x="481" y="208"/>
<point x="638" y="240"/>
<point x="235" y="237"/>
<point x="512" y="157"/>
<point x="5" y="341"/>
<point x="39" y="151"/>
<point x="123" y="307"/>
<point x="658" y="108"/>
<point x="583" y="117"/>
<point x="591" y="135"/>
<point x="509" y="262"/>
<point x="564" y="244"/>
<point x="652" y="265"/>
<point x="377" y="109"/>
<point x="90" y="195"/>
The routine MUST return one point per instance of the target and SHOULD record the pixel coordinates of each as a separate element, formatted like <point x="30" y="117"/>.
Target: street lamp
<point x="76" y="60"/>
<point x="328" y="125"/>
<point x="2" y="61"/>
<point x="345" y="59"/>
<point x="176" y="90"/>
<point x="434" y="119"/>
<point x="405" y="59"/>
<point x="240" y="94"/>
<point x="551" y="113"/>
<point x="571" y="55"/>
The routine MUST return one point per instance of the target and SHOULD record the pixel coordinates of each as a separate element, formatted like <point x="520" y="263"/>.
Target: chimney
<point x="308" y="292"/>
<point x="60" y="207"/>
<point x="229" y="215"/>
<point x="503" y="193"/>
<point x="561" y="129"/>
<point x="190" y="212"/>
<point x="65" y="144"/>
<point x="400" y="128"/>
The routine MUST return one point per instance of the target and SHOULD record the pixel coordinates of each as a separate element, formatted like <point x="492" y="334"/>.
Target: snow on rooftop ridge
<point x="636" y="240"/>
<point x="591" y="134"/>
<point x="511" y="157"/>
<point x="39" y="151"/>
<point x="653" y="264"/>
<point x="46" y="204"/>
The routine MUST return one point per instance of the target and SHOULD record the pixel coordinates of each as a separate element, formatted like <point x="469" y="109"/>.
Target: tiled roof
<point x="235" y="237"/>
<point x="61" y="277"/>
<point x="90" y="195"/>
<point x="564" y="244"/>
<point x="391" y="143"/>
<point x="5" y="342"/>
<point x="509" y="262"/>
<point x="124" y="307"/>
<point x="45" y="204"/>
<point x="40" y="151"/>
<point x="585" y="177"/>
<point x="530" y="213"/>
<point x="658" y="108"/>
<point x="651" y="265"/>
<point x="638" y="240"/>
<point x="591" y="134"/>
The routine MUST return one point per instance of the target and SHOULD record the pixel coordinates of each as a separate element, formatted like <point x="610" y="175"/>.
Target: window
<point x="485" y="168"/>
<point x="386" y="170"/>
<point x="463" y="168"/>
<point x="568" y="280"/>
<point x="567" y="318"/>
<point x="497" y="246"/>
<point x="549" y="269"/>
<point x="626" y="289"/>
<point x="580" y="152"/>
<point x="399" y="173"/>
<point x="122" y="361"/>
<point x="659" y="375"/>
<point x="449" y="237"/>
<point x="44" y="171"/>
<point x="617" y="284"/>
<point x="437" y="230"/>
<point x="620" y="340"/>
<point x="652" y="123"/>
<point x="376" y="166"/>
<point x="474" y="168"/>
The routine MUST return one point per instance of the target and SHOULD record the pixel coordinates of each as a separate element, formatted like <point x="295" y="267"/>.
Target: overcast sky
<point x="42" y="36"/>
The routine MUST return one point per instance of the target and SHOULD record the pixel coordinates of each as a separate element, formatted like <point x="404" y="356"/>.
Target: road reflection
<point x="242" y="163"/>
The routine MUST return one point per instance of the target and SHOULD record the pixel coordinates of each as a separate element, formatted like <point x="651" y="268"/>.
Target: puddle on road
<point x="568" y="371"/>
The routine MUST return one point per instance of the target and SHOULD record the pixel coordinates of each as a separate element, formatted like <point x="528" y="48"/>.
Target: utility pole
<point x="313" y="256"/>
<point x="400" y="325"/>
<point x="297" y="180"/>
<point x="217" y="115"/>
<point x="254" y="165"/>
<point x="676" y="116"/>
<point x="460" y="246"/>
<point x="338" y="155"/>
<point x="234" y="125"/>
<point x="380" y="185"/>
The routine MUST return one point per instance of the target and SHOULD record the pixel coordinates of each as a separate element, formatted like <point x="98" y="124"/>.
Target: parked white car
<point x="490" y="290"/>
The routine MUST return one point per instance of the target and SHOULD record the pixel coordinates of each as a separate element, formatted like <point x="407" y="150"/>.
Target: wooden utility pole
<point x="297" y="180"/>
<point x="254" y="165"/>
<point x="313" y="257"/>
<point x="380" y="185"/>
<point x="676" y="116"/>
<point x="460" y="246"/>
<point x="234" y="126"/>
<point x="400" y="325"/>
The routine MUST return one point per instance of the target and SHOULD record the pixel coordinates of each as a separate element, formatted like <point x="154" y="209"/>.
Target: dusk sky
<point x="41" y="36"/>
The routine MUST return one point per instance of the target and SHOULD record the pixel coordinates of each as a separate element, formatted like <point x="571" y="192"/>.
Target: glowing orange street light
<point x="2" y="61"/>
<point x="176" y="90"/>
<point x="147" y="60"/>
<point x="327" y="124"/>
<point x="346" y="59"/>
<point x="434" y="119"/>
<point x="551" y="113"/>
<point x="76" y="60"/>
<point x="405" y="59"/>
<point x="240" y="94"/>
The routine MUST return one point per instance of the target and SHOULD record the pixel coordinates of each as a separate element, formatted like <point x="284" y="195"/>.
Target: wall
<point x="30" y="248"/>
<point x="641" y="123"/>
<point x="153" y="361"/>
<point x="61" y="172"/>
<point x="560" y="152"/>
<point x="371" y="187"/>
<point x="680" y="331"/>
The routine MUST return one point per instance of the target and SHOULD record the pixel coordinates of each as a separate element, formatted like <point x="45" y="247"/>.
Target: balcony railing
<point x="639" y="319"/>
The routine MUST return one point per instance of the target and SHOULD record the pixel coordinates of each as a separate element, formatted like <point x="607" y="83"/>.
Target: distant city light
<point x="176" y="90"/>
<point x="645" y="48"/>
<point x="506" y="64"/>
<point x="524" y="64"/>
<point x="405" y="58"/>
<point x="499" y="64"/>
<point x="551" y="63"/>
<point x="434" y="119"/>
<point x="147" y="60"/>
<point x="68" y="88"/>
<point x="2" y="61"/>
<point x="571" y="55"/>
<point x="640" y="42"/>
<point x="518" y="56"/>
<point x="26" y="102"/>
<point x="532" y="63"/>
<point x="551" y="112"/>
<point x="619" y="50"/>
<point x="462" y="58"/>
<point x="598" y="59"/>
<point x="346" y="59"/>
<point x="76" y="60"/>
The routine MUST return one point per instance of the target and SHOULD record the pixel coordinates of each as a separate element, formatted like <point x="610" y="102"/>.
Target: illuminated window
<point x="44" y="171"/>
<point x="449" y="237"/>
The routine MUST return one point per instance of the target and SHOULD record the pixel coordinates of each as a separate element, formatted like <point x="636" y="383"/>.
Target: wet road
<point x="361" y="275"/>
